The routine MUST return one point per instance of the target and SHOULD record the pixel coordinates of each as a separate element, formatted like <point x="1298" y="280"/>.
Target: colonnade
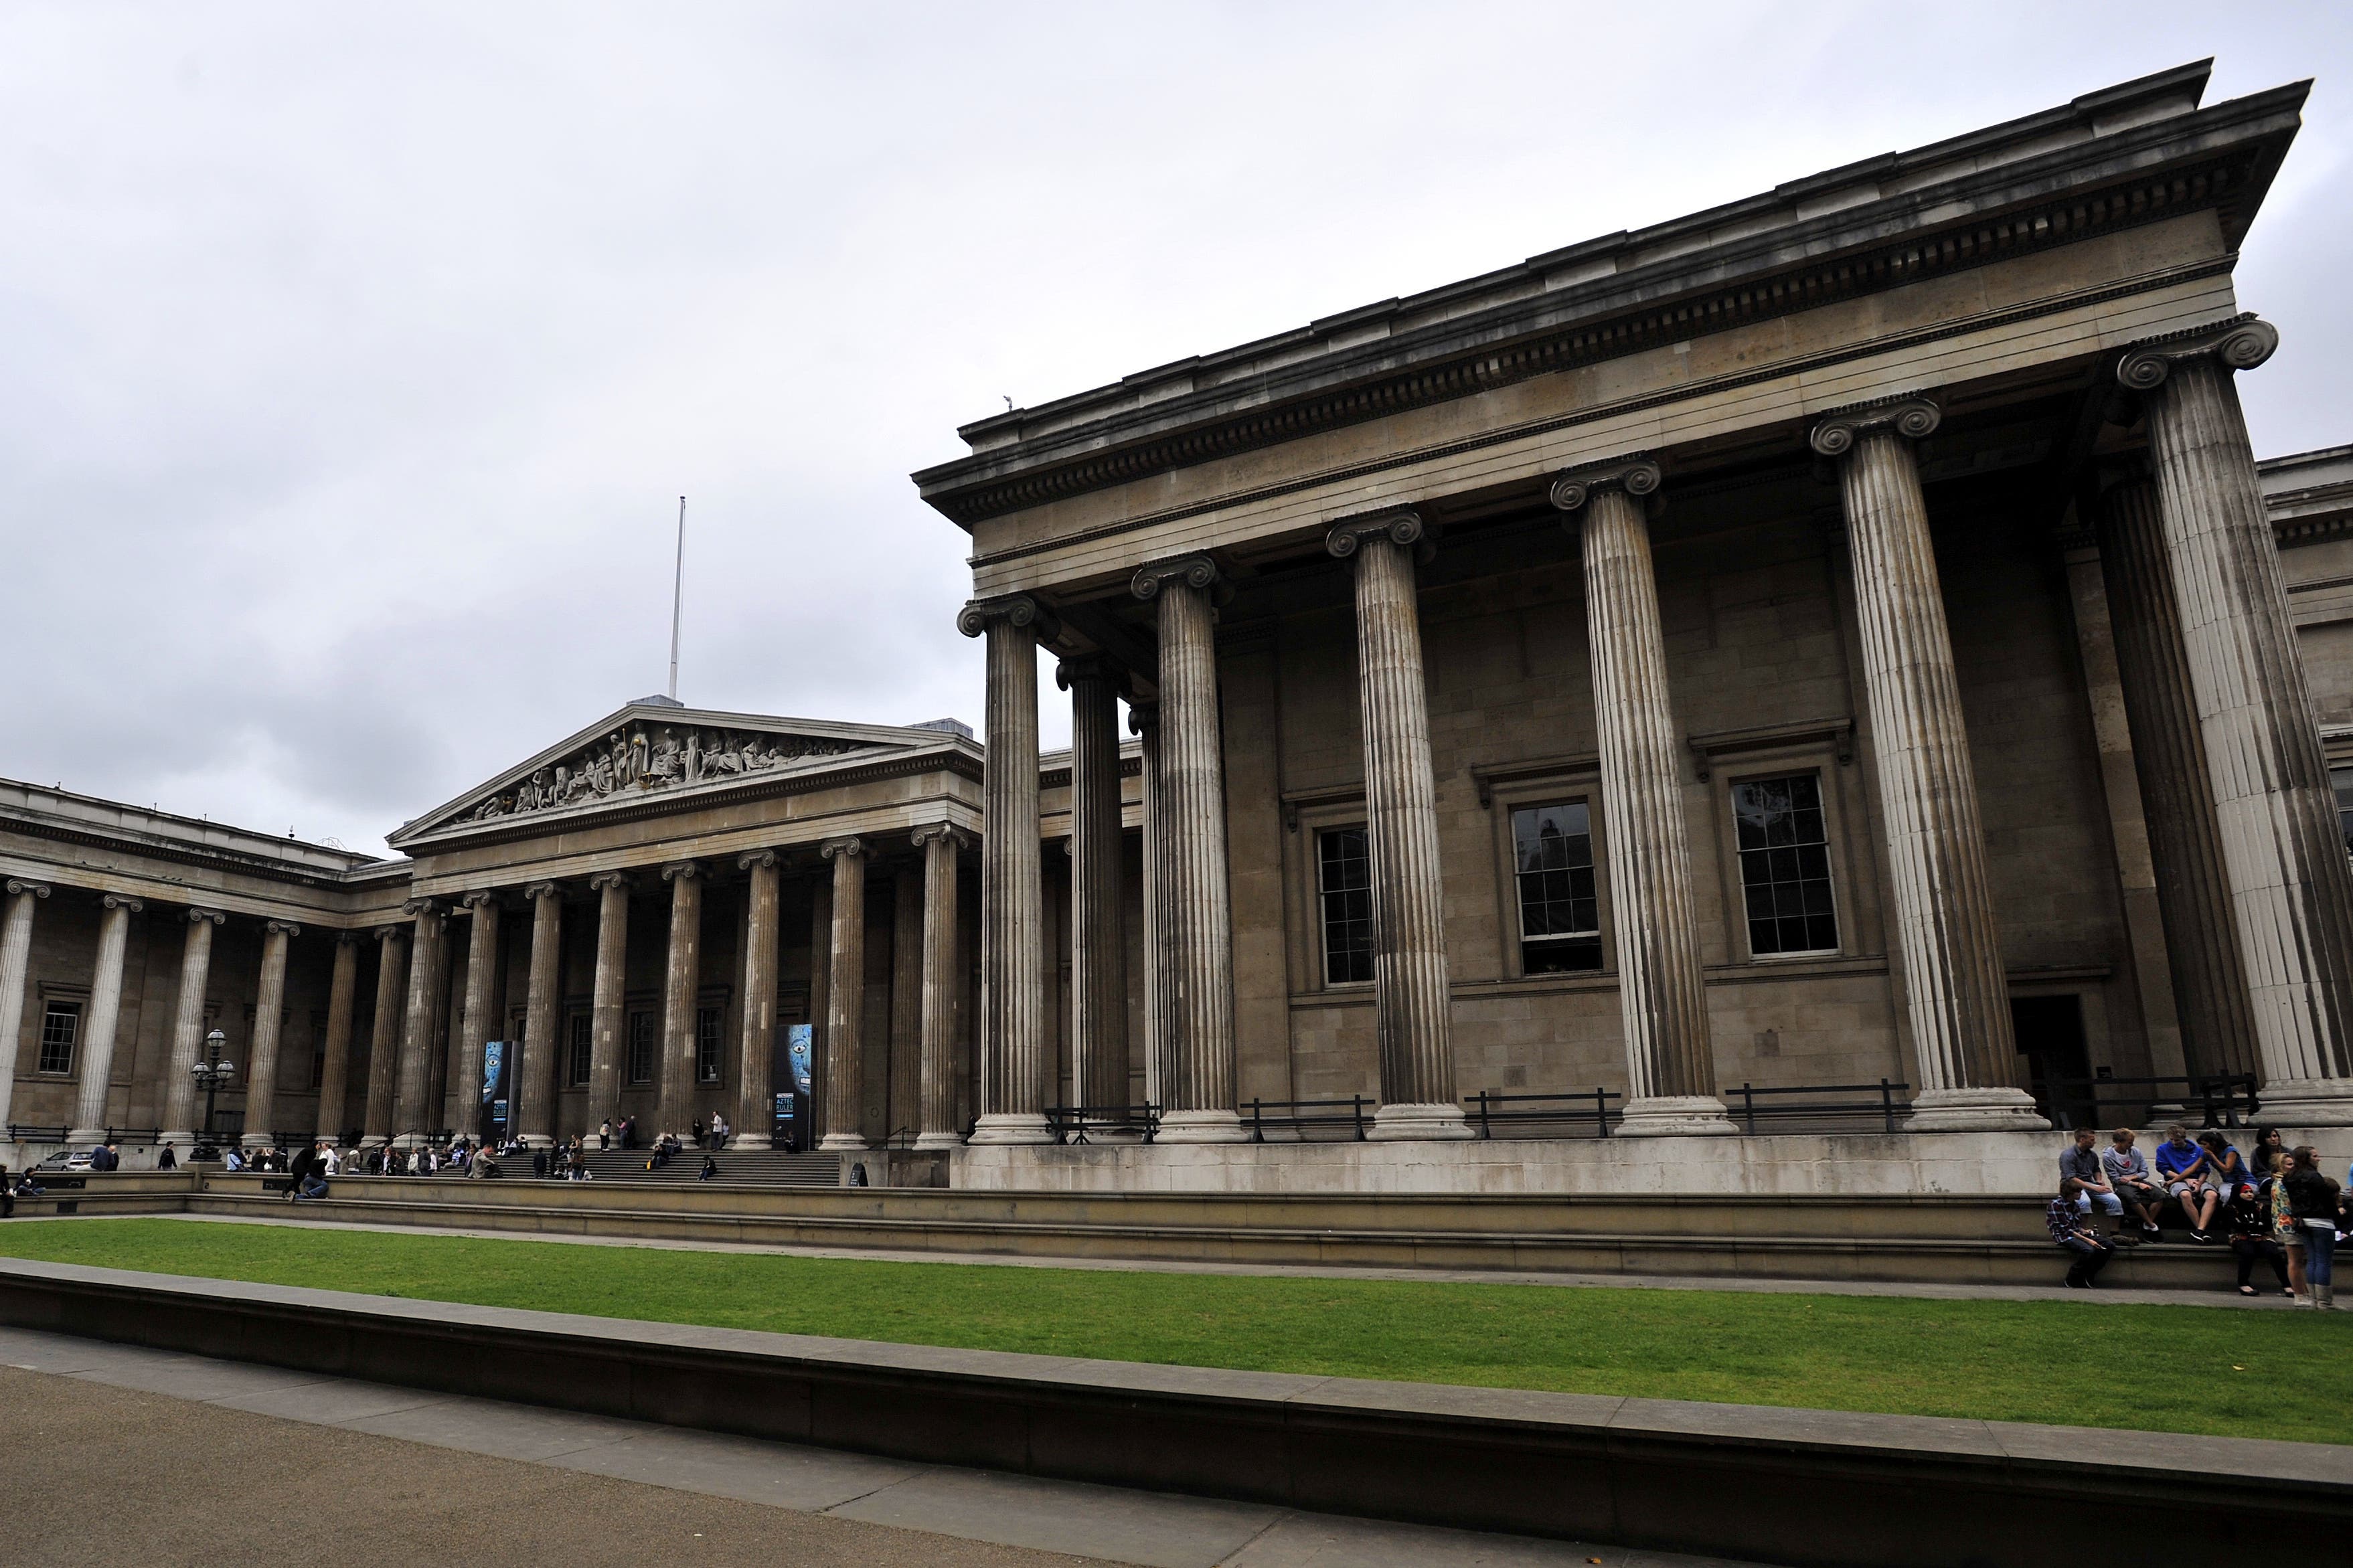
<point x="2260" y="912"/>
<point x="409" y="1049"/>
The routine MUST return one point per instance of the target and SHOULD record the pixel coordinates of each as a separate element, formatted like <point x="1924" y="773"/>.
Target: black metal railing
<point x="1590" y="1111"/>
<point x="1072" y="1123"/>
<point x="2217" y="1099"/>
<point x="25" y="1132"/>
<point x="1825" y="1107"/>
<point x="1303" y="1116"/>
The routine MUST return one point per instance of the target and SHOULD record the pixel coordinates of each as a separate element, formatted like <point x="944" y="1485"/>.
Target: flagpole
<point x="677" y="597"/>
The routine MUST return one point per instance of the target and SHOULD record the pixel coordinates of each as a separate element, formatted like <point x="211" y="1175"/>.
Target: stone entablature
<point x="2132" y="154"/>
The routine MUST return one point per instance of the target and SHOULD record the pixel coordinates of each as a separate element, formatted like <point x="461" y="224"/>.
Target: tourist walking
<point x="2312" y="1199"/>
<point x="605" y="1135"/>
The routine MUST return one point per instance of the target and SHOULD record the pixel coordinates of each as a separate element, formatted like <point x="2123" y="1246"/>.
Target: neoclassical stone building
<point x="1841" y="637"/>
<point x="1834" y="636"/>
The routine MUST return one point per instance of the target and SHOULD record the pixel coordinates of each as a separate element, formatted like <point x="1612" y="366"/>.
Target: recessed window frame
<point x="1571" y="780"/>
<point x="579" y="1047"/>
<point x="1520" y="940"/>
<point x="1854" y="905"/>
<point x="641" y="1048"/>
<point x="51" y="1047"/>
<point x="710" y="1045"/>
<point x="1326" y="839"/>
<point x="1742" y="860"/>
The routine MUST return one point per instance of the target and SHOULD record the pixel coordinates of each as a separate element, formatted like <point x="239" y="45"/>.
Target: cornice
<point x="1839" y="256"/>
<point x="1687" y="392"/>
<point x="58" y="832"/>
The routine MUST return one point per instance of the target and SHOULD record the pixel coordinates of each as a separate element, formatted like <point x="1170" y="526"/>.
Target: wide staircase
<point x="737" y="1167"/>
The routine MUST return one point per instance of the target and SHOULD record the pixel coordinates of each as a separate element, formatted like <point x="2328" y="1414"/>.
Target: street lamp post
<point x="212" y="1076"/>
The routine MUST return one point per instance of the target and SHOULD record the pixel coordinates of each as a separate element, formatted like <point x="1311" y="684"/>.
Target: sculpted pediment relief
<point x="646" y="755"/>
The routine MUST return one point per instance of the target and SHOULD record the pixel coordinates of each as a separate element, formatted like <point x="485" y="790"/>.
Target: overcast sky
<point x="352" y="358"/>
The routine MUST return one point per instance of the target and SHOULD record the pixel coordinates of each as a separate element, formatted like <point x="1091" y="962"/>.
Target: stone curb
<point x="1795" y="1485"/>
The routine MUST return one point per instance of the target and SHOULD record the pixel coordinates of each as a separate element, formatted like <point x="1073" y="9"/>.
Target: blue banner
<point x="493" y="1054"/>
<point x="797" y="1046"/>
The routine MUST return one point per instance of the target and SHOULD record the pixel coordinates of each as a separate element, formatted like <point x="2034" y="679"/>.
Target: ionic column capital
<point x="123" y="901"/>
<point x="348" y="938"/>
<point x="1195" y="571"/>
<point x="956" y="836"/>
<point x="1908" y="415"/>
<point x="420" y="908"/>
<point x="757" y="860"/>
<point x="391" y="933"/>
<point x="1086" y="666"/>
<point x="537" y="890"/>
<point x="198" y="916"/>
<point x="604" y="879"/>
<point x="281" y="928"/>
<point x="1400" y="525"/>
<point x="682" y="870"/>
<point x="1635" y="473"/>
<point x="2242" y="342"/>
<point x="21" y="885"/>
<point x="1014" y="609"/>
<point x="1143" y="718"/>
<point x="481" y="899"/>
<point x="849" y="845"/>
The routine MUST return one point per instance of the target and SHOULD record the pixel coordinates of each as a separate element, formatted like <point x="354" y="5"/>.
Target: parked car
<point x="66" y="1160"/>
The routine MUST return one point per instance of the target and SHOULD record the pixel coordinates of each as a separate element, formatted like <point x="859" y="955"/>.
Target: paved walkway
<point x="2222" y="1295"/>
<point x="183" y="1459"/>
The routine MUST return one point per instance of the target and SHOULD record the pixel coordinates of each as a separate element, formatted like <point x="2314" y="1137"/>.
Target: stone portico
<point x="1837" y="637"/>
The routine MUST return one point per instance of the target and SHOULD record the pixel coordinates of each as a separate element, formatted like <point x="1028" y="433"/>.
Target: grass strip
<point x="2083" y="1363"/>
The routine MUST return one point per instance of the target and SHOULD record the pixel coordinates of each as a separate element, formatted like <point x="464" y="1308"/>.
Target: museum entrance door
<point x="2049" y="1031"/>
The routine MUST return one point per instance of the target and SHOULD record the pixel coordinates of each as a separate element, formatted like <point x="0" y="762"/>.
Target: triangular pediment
<point x="652" y="751"/>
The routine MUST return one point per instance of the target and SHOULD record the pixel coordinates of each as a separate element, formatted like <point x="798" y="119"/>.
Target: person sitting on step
<point x="2088" y="1252"/>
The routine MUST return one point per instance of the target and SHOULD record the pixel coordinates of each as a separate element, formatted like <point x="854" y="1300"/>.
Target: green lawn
<point x="2182" y="1369"/>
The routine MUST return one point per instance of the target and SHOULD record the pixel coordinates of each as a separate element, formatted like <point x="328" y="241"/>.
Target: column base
<point x="528" y="1140"/>
<point x="1676" y="1116"/>
<point x="1402" y="1123"/>
<point x="1012" y="1126"/>
<point x="255" y="1141"/>
<point x="842" y="1143"/>
<point x="2308" y="1102"/>
<point x="85" y="1137"/>
<point x="1201" y="1127"/>
<point x="1975" y="1110"/>
<point x="176" y="1139"/>
<point x="750" y="1142"/>
<point x="939" y="1140"/>
<point x="410" y="1141"/>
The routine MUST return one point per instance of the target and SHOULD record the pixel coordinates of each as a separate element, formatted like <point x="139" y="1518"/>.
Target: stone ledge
<point x="1794" y="1486"/>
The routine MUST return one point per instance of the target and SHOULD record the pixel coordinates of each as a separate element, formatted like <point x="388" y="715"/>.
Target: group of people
<point x="2277" y="1207"/>
<point x="712" y="1136"/>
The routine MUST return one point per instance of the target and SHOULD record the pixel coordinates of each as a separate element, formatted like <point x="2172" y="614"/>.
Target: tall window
<point x="706" y="1045"/>
<point x="1785" y="864"/>
<point x="1345" y="884"/>
<point x="641" y="1048"/>
<point x="61" y="1026"/>
<point x="1560" y="914"/>
<point x="318" y="1050"/>
<point x="580" y="1048"/>
<point x="2341" y="780"/>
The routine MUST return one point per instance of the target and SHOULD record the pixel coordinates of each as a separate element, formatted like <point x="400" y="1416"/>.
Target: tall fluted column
<point x="96" y="1070"/>
<point x="684" y="976"/>
<point x="1193" y="783"/>
<point x="384" y="1035"/>
<point x="756" y="1072"/>
<point x="1098" y="899"/>
<point x="1413" y="1007"/>
<point x="188" y="1029"/>
<point x="940" y="844"/>
<point x="844" y="1024"/>
<point x="1956" y="992"/>
<point x="336" y="1064"/>
<point x="416" y="1109"/>
<point x="1143" y="718"/>
<point x="820" y="1006"/>
<point x="16" y="967"/>
<point x="482" y="1006"/>
<point x="1013" y="1064"/>
<point x="608" y="1020"/>
<point x="1662" y="997"/>
<point x="269" y="1019"/>
<point x="2290" y="882"/>
<point x="2201" y="947"/>
<point x="531" y="1092"/>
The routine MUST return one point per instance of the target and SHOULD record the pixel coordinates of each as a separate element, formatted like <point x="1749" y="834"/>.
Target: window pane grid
<point x="1345" y="886"/>
<point x="583" y="1052"/>
<point x="641" y="1048"/>
<point x="1785" y="864"/>
<point x="60" y="1023"/>
<point x="1560" y="910"/>
<point x="706" y="1045"/>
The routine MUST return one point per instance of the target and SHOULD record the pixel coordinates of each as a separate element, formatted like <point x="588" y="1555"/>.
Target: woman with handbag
<point x="2312" y="1200"/>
